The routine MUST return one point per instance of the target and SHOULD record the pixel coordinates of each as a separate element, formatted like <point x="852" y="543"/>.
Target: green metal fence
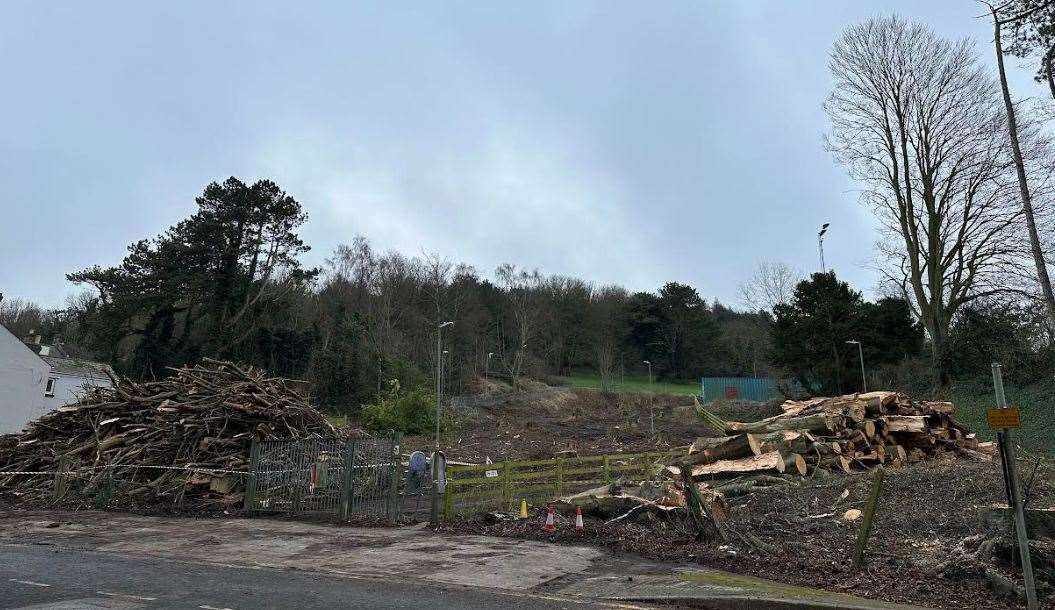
<point x="325" y="477"/>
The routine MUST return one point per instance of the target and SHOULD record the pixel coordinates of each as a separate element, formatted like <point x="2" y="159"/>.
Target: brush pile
<point x="824" y="435"/>
<point x="185" y="438"/>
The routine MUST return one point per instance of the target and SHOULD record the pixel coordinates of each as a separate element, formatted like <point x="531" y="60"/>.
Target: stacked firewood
<point x="824" y="435"/>
<point x="184" y="438"/>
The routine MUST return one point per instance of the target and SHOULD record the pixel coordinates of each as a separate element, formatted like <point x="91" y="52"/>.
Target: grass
<point x="632" y="383"/>
<point x="972" y="398"/>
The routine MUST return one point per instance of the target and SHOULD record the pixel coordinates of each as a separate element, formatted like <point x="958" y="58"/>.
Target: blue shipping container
<point x="742" y="388"/>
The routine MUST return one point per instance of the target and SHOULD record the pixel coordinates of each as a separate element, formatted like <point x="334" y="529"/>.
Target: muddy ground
<point x="925" y="511"/>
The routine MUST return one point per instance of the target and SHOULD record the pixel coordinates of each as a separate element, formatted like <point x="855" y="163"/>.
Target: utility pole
<point x="439" y="371"/>
<point x="861" y="357"/>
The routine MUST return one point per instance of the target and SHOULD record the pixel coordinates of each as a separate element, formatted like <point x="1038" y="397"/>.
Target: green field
<point x="972" y="398"/>
<point x="631" y="383"/>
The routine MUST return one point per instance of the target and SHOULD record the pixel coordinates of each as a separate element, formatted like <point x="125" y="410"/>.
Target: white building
<point x="36" y="378"/>
<point x="70" y="377"/>
<point x="24" y="377"/>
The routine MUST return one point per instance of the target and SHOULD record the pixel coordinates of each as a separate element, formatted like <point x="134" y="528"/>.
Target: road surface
<point x="44" y="577"/>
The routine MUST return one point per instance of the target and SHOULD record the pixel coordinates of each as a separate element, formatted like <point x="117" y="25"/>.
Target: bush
<point x="408" y="411"/>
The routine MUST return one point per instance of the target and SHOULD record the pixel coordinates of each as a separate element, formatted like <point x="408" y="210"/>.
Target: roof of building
<point x="78" y="367"/>
<point x="5" y="331"/>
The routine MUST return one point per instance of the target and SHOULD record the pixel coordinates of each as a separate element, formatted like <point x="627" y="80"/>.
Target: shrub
<point x="408" y="411"/>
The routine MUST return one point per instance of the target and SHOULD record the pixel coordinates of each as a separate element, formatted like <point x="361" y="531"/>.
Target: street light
<point x="439" y="367"/>
<point x="861" y="357"/>
<point x="651" y="411"/>
<point x="820" y="244"/>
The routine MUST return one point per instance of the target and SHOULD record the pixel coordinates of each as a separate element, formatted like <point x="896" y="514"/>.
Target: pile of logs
<point x="824" y="435"/>
<point x="815" y="437"/>
<point x="185" y="438"/>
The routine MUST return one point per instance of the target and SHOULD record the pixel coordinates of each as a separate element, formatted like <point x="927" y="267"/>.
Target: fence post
<point x="560" y="476"/>
<point x="60" y="478"/>
<point x="506" y="481"/>
<point x="250" y="483"/>
<point x="348" y="479"/>
<point x="866" y="520"/>
<point x="393" y="484"/>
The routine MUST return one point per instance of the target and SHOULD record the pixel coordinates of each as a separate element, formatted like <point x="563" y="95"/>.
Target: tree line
<point x="959" y="175"/>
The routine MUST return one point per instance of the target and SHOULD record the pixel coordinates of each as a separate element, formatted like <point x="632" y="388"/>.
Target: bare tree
<point x="918" y="122"/>
<point x="522" y="290"/>
<point x="772" y="284"/>
<point x="1036" y="249"/>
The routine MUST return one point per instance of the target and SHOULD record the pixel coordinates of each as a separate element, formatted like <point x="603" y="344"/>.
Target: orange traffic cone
<point x="550" y="525"/>
<point x="578" y="519"/>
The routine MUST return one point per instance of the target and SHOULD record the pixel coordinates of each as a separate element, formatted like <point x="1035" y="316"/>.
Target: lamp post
<point x="651" y="411"/>
<point x="820" y="244"/>
<point x="439" y="367"/>
<point x="861" y="357"/>
<point x="487" y="367"/>
<point x="447" y="371"/>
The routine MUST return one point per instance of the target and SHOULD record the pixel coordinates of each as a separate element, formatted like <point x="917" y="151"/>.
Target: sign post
<point x="1006" y="418"/>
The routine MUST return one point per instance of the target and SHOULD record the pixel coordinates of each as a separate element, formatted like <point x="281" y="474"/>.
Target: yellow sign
<point x="1003" y="418"/>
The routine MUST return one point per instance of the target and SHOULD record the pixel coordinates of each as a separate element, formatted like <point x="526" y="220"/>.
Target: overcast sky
<point x="631" y="143"/>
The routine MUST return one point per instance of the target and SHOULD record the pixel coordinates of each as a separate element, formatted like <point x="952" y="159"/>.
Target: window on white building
<point x="49" y="389"/>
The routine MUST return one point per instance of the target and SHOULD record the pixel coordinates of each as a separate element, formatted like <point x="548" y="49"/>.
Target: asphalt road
<point x="47" y="577"/>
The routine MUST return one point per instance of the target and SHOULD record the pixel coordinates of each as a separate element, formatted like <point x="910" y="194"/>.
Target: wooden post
<point x="61" y="480"/>
<point x="865" y="530"/>
<point x="560" y="477"/>
<point x="607" y="471"/>
<point x="507" y="475"/>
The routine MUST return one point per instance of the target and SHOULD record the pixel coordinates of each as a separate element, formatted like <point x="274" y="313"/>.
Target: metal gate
<point x="325" y="477"/>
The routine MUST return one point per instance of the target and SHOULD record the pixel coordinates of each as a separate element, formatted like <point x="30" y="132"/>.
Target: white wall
<point x="69" y="388"/>
<point x="23" y="376"/>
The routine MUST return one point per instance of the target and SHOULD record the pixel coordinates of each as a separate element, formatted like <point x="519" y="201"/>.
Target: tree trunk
<point x="1020" y="169"/>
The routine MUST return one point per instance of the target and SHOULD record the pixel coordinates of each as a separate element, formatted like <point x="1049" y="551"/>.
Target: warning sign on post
<point x="1003" y="418"/>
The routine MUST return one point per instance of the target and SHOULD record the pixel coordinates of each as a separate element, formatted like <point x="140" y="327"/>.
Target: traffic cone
<point x="550" y="526"/>
<point x="523" y="509"/>
<point x="578" y="519"/>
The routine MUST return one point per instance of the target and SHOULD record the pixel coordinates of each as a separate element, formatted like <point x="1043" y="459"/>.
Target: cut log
<point x="817" y="422"/>
<point x="741" y="445"/>
<point x="767" y="462"/>
<point x="904" y="423"/>
<point x="868" y="427"/>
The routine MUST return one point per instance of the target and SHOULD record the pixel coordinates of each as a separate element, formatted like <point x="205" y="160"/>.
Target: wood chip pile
<point x="167" y="440"/>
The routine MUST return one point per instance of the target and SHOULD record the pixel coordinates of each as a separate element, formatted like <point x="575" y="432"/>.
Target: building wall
<point x="69" y="388"/>
<point x="23" y="376"/>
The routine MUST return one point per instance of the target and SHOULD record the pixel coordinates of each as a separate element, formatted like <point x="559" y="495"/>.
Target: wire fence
<point x="325" y="477"/>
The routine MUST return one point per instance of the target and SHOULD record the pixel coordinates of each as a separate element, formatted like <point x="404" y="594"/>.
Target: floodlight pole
<point x="820" y="245"/>
<point x="861" y="357"/>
